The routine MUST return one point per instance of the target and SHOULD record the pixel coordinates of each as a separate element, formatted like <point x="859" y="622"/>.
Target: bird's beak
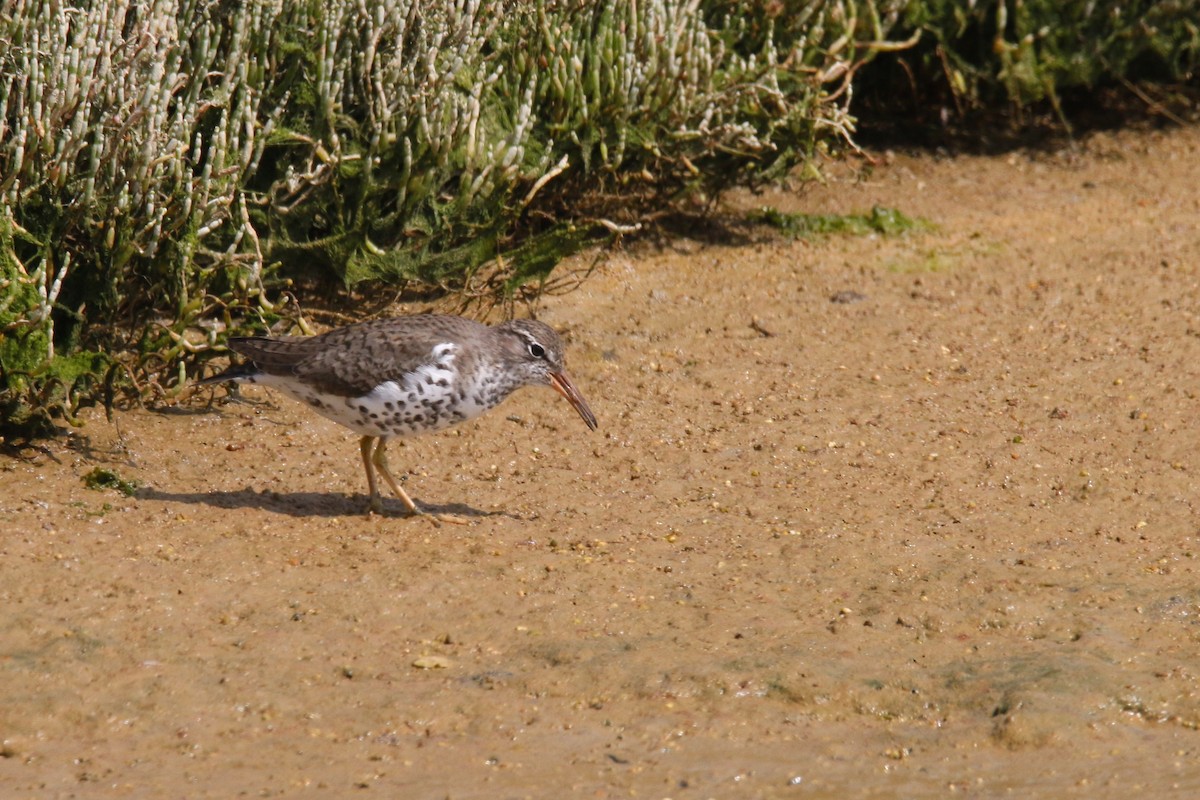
<point x="562" y="384"/>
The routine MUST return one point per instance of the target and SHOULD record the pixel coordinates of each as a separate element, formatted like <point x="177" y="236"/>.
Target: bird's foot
<point x="449" y="519"/>
<point x="375" y="508"/>
<point x="437" y="517"/>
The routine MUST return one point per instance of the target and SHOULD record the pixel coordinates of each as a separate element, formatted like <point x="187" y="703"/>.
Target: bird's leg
<point x="379" y="459"/>
<point x="366" y="445"/>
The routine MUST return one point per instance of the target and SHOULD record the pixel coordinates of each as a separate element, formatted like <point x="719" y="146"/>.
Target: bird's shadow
<point x="307" y="504"/>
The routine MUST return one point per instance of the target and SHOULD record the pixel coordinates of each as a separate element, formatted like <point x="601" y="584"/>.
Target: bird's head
<point x="534" y="353"/>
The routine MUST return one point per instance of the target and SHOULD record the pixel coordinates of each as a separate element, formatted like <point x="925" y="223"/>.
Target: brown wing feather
<point x="277" y="355"/>
<point x="357" y="358"/>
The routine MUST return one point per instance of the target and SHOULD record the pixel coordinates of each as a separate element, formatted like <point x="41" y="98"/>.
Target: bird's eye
<point x="536" y="350"/>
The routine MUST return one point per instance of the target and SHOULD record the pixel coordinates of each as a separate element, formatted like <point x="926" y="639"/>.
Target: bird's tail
<point x="232" y="373"/>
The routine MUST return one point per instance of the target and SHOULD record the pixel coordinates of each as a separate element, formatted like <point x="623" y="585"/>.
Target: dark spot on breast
<point x="418" y="418"/>
<point x="374" y="415"/>
<point x="389" y="405"/>
<point x="363" y="409"/>
<point x="443" y="382"/>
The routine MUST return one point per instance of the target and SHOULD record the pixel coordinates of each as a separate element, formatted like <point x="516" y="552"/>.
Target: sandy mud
<point x="865" y="517"/>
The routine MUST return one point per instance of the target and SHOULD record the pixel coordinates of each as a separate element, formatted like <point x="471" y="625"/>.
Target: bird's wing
<point x="356" y="358"/>
<point x="276" y="355"/>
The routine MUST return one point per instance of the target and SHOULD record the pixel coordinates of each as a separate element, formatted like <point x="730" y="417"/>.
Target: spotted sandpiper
<point x="406" y="375"/>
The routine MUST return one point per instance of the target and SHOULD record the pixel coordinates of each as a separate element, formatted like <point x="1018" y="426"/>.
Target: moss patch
<point x="879" y="220"/>
<point x="102" y="478"/>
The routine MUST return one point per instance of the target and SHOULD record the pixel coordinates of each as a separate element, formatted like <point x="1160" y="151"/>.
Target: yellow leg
<point x="379" y="459"/>
<point x="366" y="445"/>
<point x="375" y="459"/>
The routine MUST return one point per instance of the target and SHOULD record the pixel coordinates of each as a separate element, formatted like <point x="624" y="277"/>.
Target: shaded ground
<point x="941" y="537"/>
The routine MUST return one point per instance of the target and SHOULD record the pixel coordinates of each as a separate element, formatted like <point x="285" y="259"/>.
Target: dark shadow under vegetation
<point x="992" y="76"/>
<point x="889" y="123"/>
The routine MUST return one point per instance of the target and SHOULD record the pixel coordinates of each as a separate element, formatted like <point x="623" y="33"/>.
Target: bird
<point x="399" y="377"/>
